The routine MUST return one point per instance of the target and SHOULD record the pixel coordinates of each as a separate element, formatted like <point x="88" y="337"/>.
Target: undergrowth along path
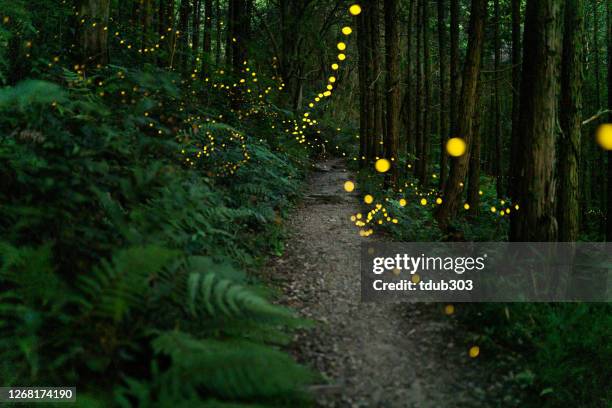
<point x="373" y="354"/>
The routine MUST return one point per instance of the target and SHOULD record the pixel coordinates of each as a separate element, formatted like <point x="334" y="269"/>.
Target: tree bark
<point x="535" y="221"/>
<point x="424" y="168"/>
<point x="454" y="64"/>
<point x="93" y="37"/>
<point x="377" y="78"/>
<point x="392" y="88"/>
<point x="498" y="129"/>
<point x="419" y="90"/>
<point x="609" y="189"/>
<point x="570" y="120"/>
<point x="467" y="106"/>
<point x="516" y="84"/>
<point x="444" y="111"/>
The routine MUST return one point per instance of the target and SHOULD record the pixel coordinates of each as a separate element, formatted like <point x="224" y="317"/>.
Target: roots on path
<point x="374" y="355"/>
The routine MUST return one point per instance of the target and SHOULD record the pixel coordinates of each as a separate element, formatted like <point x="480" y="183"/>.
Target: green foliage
<point x="120" y="260"/>
<point x="562" y="349"/>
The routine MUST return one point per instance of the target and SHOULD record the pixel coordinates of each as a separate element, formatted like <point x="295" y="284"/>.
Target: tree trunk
<point x="535" y="221"/>
<point x="195" y="35"/>
<point x="473" y="193"/>
<point x="570" y="120"/>
<point x="467" y="106"/>
<point x="498" y="129"/>
<point x="392" y="88"/>
<point x="219" y="32"/>
<point x="444" y="111"/>
<point x="516" y="84"/>
<point x="208" y="7"/>
<point x="408" y="104"/>
<point x="609" y="192"/>
<point x="364" y="125"/>
<point x="377" y="79"/>
<point x="419" y="90"/>
<point x="183" y="36"/>
<point x="424" y="170"/>
<point x="93" y="34"/>
<point x="454" y="64"/>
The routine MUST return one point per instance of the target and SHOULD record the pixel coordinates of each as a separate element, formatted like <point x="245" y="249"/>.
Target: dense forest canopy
<point x="151" y="149"/>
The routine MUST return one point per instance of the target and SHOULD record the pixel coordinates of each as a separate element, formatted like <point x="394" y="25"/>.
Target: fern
<point x="230" y="369"/>
<point x="117" y="287"/>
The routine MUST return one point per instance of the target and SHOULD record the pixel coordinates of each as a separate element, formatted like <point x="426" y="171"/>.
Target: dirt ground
<point x="373" y="354"/>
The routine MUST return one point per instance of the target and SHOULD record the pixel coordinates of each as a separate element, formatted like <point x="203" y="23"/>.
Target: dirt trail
<point x="375" y="355"/>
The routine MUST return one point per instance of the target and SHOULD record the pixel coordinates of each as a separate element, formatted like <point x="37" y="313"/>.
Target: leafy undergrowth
<point x="133" y="214"/>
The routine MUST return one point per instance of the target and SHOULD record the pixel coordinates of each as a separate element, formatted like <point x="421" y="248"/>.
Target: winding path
<point x="374" y="355"/>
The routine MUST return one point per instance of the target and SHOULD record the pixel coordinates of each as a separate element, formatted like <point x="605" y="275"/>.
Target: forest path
<point x="375" y="355"/>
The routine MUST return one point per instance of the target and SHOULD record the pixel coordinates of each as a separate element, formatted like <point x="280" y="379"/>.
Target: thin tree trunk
<point x="535" y="221"/>
<point x="498" y="129"/>
<point x="516" y="84"/>
<point x="419" y="90"/>
<point x="444" y="111"/>
<point x="377" y="76"/>
<point x="392" y="87"/>
<point x="219" y="32"/>
<point x="408" y="105"/>
<point x="427" y="103"/>
<point x="609" y="190"/>
<point x="570" y="120"/>
<point x="473" y="192"/>
<point x="454" y="64"/>
<point x="467" y="106"/>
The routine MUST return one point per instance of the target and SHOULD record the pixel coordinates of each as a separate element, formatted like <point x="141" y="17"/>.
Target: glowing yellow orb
<point x="355" y="9"/>
<point x="493" y="209"/>
<point x="402" y="202"/>
<point x="466" y="206"/>
<point x="349" y="186"/>
<point x="368" y="199"/>
<point x="415" y="278"/>
<point x="449" y="309"/>
<point x="347" y="30"/>
<point x="341" y="46"/>
<point x="456" y="147"/>
<point x="335" y="66"/>
<point x="382" y="165"/>
<point x="604" y="136"/>
<point x="474" y="351"/>
<point x="438" y="201"/>
<point x="423" y="201"/>
<point x="332" y="79"/>
<point x="341" y="57"/>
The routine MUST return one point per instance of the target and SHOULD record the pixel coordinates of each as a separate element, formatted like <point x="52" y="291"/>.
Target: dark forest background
<point x="150" y="150"/>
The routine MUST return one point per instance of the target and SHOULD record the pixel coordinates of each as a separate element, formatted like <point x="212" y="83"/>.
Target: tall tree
<point x="419" y="89"/>
<point x="377" y="80"/>
<point x="195" y="31"/>
<point x="424" y="163"/>
<point x="609" y="189"/>
<point x="570" y="120"/>
<point x="454" y="64"/>
<point x="363" y="68"/>
<point x="516" y="84"/>
<point x="207" y="43"/>
<point x="535" y="186"/>
<point x="93" y="33"/>
<point x="183" y="36"/>
<point x="467" y="105"/>
<point x="444" y="111"/>
<point x="392" y="87"/>
<point x="218" y="30"/>
<point x="498" y="127"/>
<point x="408" y="115"/>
